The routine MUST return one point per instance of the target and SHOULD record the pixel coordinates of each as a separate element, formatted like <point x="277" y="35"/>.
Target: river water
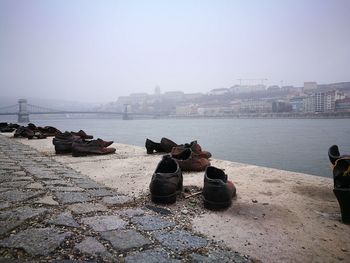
<point x="298" y="145"/>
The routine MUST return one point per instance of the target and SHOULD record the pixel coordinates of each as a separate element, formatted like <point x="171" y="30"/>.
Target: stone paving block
<point x="148" y="222"/>
<point x="64" y="219"/>
<point x="46" y="200"/>
<point x="104" y="223"/>
<point x="36" y="241"/>
<point x="65" y="189"/>
<point x="83" y="208"/>
<point x="87" y="184"/>
<point x="17" y="196"/>
<point x="35" y="186"/>
<point x="10" y="167"/>
<point x="20" y="173"/>
<point x="100" y="192"/>
<point x="125" y="239"/>
<point x="4" y="205"/>
<point x="57" y="183"/>
<point x="90" y="245"/>
<point x="22" y="178"/>
<point x="8" y="225"/>
<point x="151" y="256"/>
<point x="219" y="256"/>
<point x="16" y="184"/>
<point x="180" y="240"/>
<point x="22" y="213"/>
<point x="117" y="200"/>
<point x="4" y="189"/>
<point x="131" y="212"/>
<point x="72" y="197"/>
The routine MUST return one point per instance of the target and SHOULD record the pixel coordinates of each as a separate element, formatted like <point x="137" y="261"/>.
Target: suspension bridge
<point x="23" y="110"/>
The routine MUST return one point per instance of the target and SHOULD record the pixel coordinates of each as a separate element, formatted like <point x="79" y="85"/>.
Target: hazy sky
<point x="99" y="50"/>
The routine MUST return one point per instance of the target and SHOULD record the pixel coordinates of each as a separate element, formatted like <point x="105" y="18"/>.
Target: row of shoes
<point x="167" y="183"/>
<point x="8" y="127"/>
<point x="189" y="156"/>
<point x="32" y="131"/>
<point x="80" y="144"/>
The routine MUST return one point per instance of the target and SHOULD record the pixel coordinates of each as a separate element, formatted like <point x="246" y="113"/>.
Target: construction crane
<point x="261" y="80"/>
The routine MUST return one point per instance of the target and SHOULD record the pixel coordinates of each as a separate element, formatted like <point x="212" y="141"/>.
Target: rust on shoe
<point x="82" y="134"/>
<point x="104" y="143"/>
<point x="167" y="144"/>
<point x="194" y="146"/>
<point x="189" y="161"/>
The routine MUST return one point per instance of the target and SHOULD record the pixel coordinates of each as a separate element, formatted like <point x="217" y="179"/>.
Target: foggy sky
<point x="99" y="50"/>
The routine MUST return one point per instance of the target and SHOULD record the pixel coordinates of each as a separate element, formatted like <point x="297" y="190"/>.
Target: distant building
<point x="174" y="95"/>
<point x="192" y="96"/>
<point x="247" y="88"/>
<point x="322" y="101"/>
<point x="186" y="110"/>
<point x="255" y="106"/>
<point x="221" y="91"/>
<point x="281" y="106"/>
<point x="297" y="104"/>
<point x="310" y="86"/>
<point x="342" y="105"/>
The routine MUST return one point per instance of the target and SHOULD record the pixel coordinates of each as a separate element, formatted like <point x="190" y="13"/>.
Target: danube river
<point x="298" y="145"/>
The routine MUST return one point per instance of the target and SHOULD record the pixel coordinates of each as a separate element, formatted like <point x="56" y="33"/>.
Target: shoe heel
<point x="149" y="151"/>
<point x="78" y="154"/>
<point x="170" y="199"/>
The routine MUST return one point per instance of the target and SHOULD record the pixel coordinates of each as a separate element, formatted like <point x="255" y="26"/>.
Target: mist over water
<point x="299" y="145"/>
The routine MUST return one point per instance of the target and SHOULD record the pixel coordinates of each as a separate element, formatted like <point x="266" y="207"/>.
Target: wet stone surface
<point x="39" y="241"/>
<point x="104" y="223"/>
<point x="52" y="213"/>
<point x="152" y="222"/>
<point x="125" y="239"/>
<point x="116" y="200"/>
<point x="64" y="219"/>
<point x="72" y="197"/>
<point x="151" y="256"/>
<point x="180" y="240"/>
<point x="83" y="208"/>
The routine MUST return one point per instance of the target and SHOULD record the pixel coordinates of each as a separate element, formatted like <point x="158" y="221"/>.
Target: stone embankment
<point x="49" y="212"/>
<point x="98" y="209"/>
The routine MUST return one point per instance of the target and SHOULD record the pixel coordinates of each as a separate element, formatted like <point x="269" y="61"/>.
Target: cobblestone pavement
<point x="51" y="213"/>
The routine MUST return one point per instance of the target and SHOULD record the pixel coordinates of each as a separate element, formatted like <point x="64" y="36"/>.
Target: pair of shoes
<point x="167" y="182"/>
<point x="164" y="146"/>
<point x="71" y="142"/>
<point x="188" y="160"/>
<point x="8" y="127"/>
<point x="194" y="146"/>
<point x="94" y="147"/>
<point x="63" y="142"/>
<point x="341" y="167"/>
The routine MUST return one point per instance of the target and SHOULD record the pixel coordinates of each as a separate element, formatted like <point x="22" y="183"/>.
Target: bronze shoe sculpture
<point x="166" y="181"/>
<point x="95" y="147"/>
<point x="217" y="191"/>
<point x="190" y="161"/>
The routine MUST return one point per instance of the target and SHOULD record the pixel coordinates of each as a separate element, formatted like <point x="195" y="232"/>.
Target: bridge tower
<point x="125" y="112"/>
<point x="23" y="115"/>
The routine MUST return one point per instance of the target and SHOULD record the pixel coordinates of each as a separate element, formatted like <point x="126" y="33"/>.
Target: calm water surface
<point x="298" y="145"/>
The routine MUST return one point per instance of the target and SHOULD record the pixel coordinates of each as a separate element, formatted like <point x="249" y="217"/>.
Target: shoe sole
<point x="216" y="205"/>
<point x="169" y="199"/>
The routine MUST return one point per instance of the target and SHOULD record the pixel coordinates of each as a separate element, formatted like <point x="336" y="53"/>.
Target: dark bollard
<point x="343" y="196"/>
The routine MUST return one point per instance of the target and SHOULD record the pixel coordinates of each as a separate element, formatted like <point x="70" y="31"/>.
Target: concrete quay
<point x="97" y="208"/>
